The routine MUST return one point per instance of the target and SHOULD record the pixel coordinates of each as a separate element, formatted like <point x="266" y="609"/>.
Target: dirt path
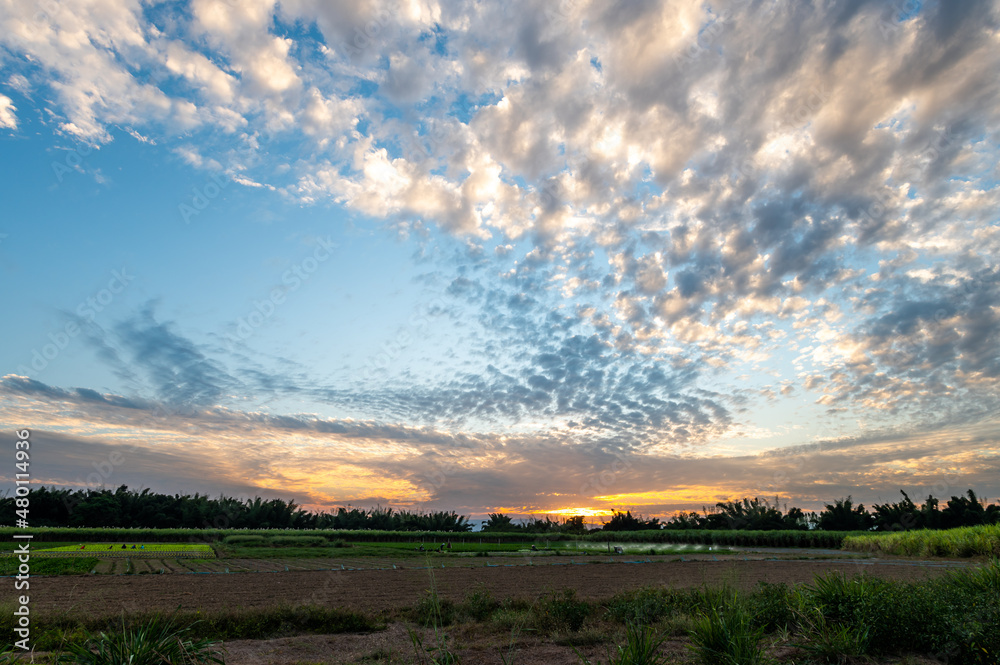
<point x="377" y="590"/>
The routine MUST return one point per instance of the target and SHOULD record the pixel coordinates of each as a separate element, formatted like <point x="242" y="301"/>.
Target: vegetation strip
<point x="835" y="618"/>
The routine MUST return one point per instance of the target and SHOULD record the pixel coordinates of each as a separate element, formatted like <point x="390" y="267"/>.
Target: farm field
<point x="383" y="590"/>
<point x="389" y="598"/>
<point x="129" y="550"/>
<point x="283" y="601"/>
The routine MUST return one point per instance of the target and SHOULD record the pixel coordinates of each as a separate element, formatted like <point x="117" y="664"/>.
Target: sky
<point x="524" y="257"/>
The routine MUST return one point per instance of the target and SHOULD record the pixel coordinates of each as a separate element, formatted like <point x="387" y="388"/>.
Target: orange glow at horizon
<point x="559" y="512"/>
<point x="689" y="495"/>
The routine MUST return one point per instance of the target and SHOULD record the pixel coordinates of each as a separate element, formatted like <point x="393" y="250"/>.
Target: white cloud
<point x="734" y="163"/>
<point x="7" y="118"/>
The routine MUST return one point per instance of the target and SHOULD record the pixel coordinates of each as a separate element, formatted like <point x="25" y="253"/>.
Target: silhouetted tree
<point x="843" y="515"/>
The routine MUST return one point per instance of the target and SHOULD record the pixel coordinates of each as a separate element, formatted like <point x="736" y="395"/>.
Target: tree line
<point x="761" y="515"/>
<point x="841" y="515"/>
<point x="125" y="508"/>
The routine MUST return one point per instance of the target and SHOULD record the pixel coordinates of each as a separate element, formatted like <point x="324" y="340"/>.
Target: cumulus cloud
<point x="332" y="462"/>
<point x="694" y="209"/>
<point x="8" y="120"/>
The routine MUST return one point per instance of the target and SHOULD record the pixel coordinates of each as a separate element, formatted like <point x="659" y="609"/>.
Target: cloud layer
<point x="650" y="225"/>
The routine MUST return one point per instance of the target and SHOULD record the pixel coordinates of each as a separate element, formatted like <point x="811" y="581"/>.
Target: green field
<point x="818" y="539"/>
<point x="114" y="550"/>
<point x="964" y="542"/>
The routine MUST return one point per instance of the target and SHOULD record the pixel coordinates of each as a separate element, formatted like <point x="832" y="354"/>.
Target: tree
<point x="625" y="522"/>
<point x="574" y="524"/>
<point x="499" y="522"/>
<point x="963" y="511"/>
<point x="753" y="514"/>
<point x="843" y="515"/>
<point x="900" y="516"/>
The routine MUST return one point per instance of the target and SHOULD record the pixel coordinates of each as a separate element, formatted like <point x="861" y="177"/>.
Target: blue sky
<point x="522" y="257"/>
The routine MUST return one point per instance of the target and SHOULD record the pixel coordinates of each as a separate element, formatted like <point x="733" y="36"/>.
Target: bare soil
<point x="385" y="590"/>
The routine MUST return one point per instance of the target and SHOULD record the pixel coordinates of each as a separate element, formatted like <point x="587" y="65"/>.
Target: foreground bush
<point x="956" y="618"/>
<point x="52" y="633"/>
<point x="725" y="634"/>
<point x="563" y="610"/>
<point x="642" y="647"/>
<point x="157" y="642"/>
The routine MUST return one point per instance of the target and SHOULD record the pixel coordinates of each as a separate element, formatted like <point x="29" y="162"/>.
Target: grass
<point x="964" y="542"/>
<point x="726" y="634"/>
<point x="833" y="619"/>
<point x="158" y="641"/>
<point x="824" y="539"/>
<point x="832" y="642"/>
<point x="641" y="647"/>
<point x="115" y="550"/>
<point x="55" y="631"/>
<point x="436" y="613"/>
<point x="54" y="566"/>
<point x="562" y="611"/>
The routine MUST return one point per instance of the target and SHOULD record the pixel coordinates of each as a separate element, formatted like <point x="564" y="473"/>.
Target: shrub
<point x="298" y="541"/>
<point x="642" y="647"/>
<point x="246" y="541"/>
<point x="770" y="605"/>
<point x="433" y="611"/>
<point x="641" y="606"/>
<point x="832" y="642"/>
<point x="480" y="604"/>
<point x="895" y="616"/>
<point x="563" y="610"/>
<point x="157" y="642"/>
<point x="725" y="635"/>
<point x="983" y="578"/>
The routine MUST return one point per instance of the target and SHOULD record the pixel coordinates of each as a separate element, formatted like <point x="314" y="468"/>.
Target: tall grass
<point x="641" y="647"/>
<point x="53" y="631"/>
<point x="726" y="634"/>
<point x="157" y="642"/>
<point x="962" y="542"/>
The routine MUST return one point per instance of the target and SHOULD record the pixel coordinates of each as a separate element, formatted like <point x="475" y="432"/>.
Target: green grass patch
<point x="87" y="551"/>
<point x="963" y="542"/>
<point x="54" y="633"/>
<point x="74" y="566"/>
